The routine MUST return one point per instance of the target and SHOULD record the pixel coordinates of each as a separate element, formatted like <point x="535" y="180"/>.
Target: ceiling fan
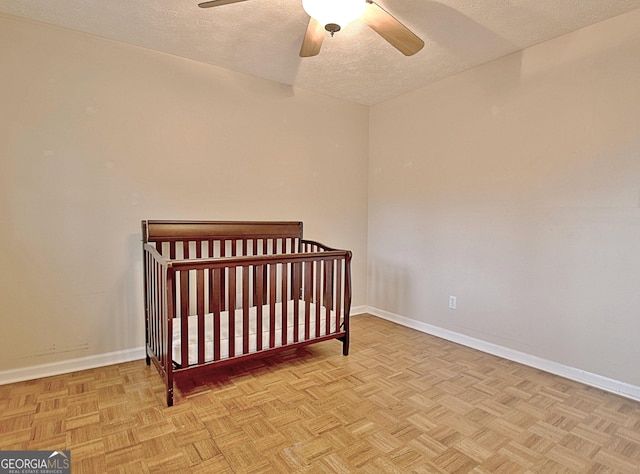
<point x="333" y="15"/>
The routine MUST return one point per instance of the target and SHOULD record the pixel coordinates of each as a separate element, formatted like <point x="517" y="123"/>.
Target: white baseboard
<point x="71" y="365"/>
<point x="89" y="362"/>
<point x="604" y="383"/>
<point x="594" y="380"/>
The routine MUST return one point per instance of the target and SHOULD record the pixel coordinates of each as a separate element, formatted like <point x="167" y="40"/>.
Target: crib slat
<point x="232" y="312"/>
<point x="185" y="250"/>
<point x="149" y="273"/>
<point x="160" y="336"/>
<point x="284" y="305"/>
<point x="328" y="279"/>
<point x="161" y="290"/>
<point x="272" y="305"/>
<point x="223" y="253"/>
<point x="245" y="309"/>
<point x="264" y="284"/>
<point x="200" y="304"/>
<point x="172" y="256"/>
<point x="215" y="296"/>
<point x="183" y="277"/>
<point x="308" y="289"/>
<point x="296" y="286"/>
<point x="338" y="291"/>
<point x="151" y="293"/>
<point x="154" y="279"/>
<point x="166" y="348"/>
<point x="259" y="277"/>
<point x="318" y="296"/>
<point x="184" y="315"/>
<point x="347" y="303"/>
<point x="211" y="290"/>
<point x="157" y="291"/>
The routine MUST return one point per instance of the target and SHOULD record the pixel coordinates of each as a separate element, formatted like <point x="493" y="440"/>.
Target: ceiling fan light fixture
<point x="334" y="14"/>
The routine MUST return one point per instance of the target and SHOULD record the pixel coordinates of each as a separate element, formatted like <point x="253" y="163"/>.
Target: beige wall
<point x="96" y="136"/>
<point x="515" y="186"/>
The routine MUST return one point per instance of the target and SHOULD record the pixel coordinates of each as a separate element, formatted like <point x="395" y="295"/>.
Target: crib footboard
<point x="158" y="321"/>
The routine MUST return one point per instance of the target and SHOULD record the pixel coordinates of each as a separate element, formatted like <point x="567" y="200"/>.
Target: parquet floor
<point x="402" y="401"/>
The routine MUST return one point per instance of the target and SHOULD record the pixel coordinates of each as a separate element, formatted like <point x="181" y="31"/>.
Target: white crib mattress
<point x="253" y="336"/>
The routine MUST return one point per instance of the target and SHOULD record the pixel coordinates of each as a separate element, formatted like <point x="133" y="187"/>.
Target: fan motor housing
<point x="332" y="28"/>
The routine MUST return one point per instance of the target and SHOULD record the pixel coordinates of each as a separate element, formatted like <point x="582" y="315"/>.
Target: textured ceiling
<point x="263" y="37"/>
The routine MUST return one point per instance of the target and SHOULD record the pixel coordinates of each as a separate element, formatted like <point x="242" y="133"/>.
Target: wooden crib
<point x="217" y="292"/>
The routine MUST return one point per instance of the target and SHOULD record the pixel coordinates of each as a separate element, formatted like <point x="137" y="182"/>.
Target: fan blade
<point x="217" y="3"/>
<point x="398" y="35"/>
<point x="313" y="39"/>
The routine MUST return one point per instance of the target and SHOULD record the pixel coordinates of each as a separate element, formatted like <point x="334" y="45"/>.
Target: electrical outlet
<point x="452" y="302"/>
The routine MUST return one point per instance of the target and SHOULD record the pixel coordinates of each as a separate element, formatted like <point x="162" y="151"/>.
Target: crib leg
<point x="345" y="344"/>
<point x="169" y="396"/>
<point x="169" y="382"/>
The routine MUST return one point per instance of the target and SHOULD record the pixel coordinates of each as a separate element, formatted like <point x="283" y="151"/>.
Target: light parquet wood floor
<point x="402" y="401"/>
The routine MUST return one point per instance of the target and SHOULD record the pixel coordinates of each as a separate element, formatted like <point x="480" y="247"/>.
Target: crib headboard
<point x="188" y="239"/>
<point x="167" y="231"/>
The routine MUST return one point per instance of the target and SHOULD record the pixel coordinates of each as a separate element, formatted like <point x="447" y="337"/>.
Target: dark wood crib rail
<point x="222" y="238"/>
<point x="224" y="267"/>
